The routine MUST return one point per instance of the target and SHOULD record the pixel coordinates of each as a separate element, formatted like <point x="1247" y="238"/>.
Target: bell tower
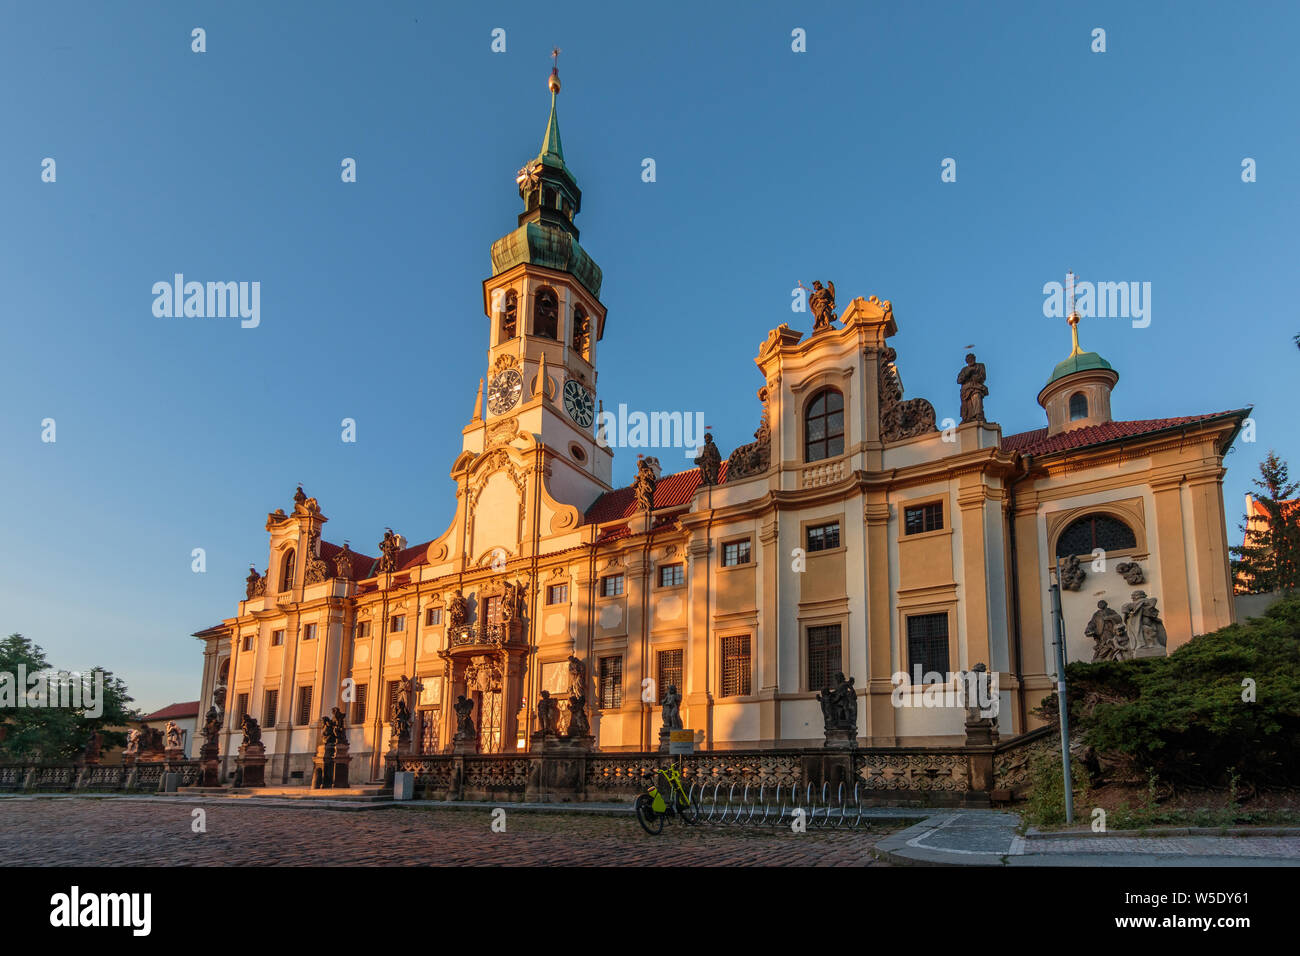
<point x="545" y="320"/>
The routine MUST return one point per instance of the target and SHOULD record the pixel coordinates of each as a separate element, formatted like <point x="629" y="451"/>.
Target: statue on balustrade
<point x="252" y="732"/>
<point x="672" y="708"/>
<point x="173" y="736"/>
<point x="840" y="704"/>
<point x="579" y="726"/>
<point x="457" y="611"/>
<point x="548" y="716"/>
<point x="464" y="722"/>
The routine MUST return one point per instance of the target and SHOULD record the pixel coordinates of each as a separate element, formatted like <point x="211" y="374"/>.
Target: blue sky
<point x="772" y="167"/>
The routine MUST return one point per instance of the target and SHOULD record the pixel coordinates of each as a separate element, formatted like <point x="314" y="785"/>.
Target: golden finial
<point x="554" y="81"/>
<point x="1070" y="279"/>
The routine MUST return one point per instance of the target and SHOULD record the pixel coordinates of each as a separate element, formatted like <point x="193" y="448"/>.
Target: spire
<point x="478" y="403"/>
<point x="1078" y="360"/>
<point x="551" y="142"/>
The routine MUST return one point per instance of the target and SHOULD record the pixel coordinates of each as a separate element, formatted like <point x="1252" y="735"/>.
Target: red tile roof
<point x="173" y="711"/>
<point x="670" y="491"/>
<point x="1037" y="442"/>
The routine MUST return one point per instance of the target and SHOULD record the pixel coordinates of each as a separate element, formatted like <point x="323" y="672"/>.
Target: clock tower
<point x="545" y="321"/>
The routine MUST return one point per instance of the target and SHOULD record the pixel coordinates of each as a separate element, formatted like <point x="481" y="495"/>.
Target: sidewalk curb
<point x="1033" y="833"/>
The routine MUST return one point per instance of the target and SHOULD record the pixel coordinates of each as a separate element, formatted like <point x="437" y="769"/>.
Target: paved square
<point x="117" y="832"/>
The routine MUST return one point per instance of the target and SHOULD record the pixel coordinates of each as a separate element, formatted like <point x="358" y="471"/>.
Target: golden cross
<point x="555" y="55"/>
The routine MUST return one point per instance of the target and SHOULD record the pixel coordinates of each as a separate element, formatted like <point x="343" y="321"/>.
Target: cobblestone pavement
<point x="1265" y="847"/>
<point x="111" y="832"/>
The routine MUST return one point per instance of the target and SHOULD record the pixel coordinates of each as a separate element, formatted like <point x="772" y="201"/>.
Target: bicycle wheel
<point x="688" y="809"/>
<point x="651" y="822"/>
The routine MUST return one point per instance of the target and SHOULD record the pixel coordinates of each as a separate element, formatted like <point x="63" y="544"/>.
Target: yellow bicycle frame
<point x="674" y="778"/>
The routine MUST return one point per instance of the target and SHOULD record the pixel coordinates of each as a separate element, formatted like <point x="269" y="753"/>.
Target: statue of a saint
<point x="457" y="611"/>
<point x="643" y="486"/>
<point x="173" y="736"/>
<point x="252" y="732"/>
<point x="1142" y="622"/>
<point x="388" y="550"/>
<point x="822" y="305"/>
<point x="709" y="461"/>
<point x="401" y="720"/>
<point x="548" y="715"/>
<point x="579" y="726"/>
<point x="464" y="722"/>
<point x="211" y="725"/>
<point x="133" y="741"/>
<point x="672" y="708"/>
<point x="577" y="677"/>
<point x="340" y="728"/>
<point x="1106" y="628"/>
<point x="252" y="582"/>
<point x="973" y="390"/>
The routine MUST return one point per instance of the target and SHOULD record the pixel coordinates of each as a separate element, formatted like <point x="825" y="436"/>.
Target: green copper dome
<point x="1078" y="362"/>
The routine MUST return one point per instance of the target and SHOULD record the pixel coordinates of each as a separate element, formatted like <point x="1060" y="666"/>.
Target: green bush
<point x="1183" y="717"/>
<point x="1045" y="801"/>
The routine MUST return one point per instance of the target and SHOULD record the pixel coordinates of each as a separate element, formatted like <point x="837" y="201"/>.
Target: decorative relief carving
<point x="317" y="569"/>
<point x="900" y="419"/>
<point x="756" y="457"/>
<point x="1072" y="573"/>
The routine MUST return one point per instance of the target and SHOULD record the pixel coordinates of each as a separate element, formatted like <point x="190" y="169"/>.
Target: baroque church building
<point x="854" y="535"/>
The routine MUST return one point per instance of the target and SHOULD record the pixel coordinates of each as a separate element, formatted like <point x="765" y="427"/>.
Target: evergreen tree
<point x="1269" y="556"/>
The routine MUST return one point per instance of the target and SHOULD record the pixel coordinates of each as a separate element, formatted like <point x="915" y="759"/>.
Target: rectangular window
<point x="241" y="708"/>
<point x="611" y="683"/>
<point x="397" y="622"/>
<point x="432" y="616"/>
<point x="923" y="518"/>
<point x="309" y="632"/>
<point x="823" y="537"/>
<point x="492" y="609"/>
<point x="272" y="704"/>
<point x="927" y="646"/>
<point x="363" y="629"/>
<point x="671" y="575"/>
<point x="304" y="706"/>
<point x="668" y="666"/>
<point x="735" y="552"/>
<point x="823" y="656"/>
<point x="359" y="704"/>
<point x="557" y="594"/>
<point x="248" y="642"/>
<point x="735" y="666"/>
<point x="277" y="637"/>
<point x="611" y="586"/>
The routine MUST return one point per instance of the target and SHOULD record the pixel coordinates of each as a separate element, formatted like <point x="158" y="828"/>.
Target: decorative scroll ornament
<point x="900" y="419"/>
<point x="756" y="457"/>
<point x="1072" y="573"/>
<point x="1131" y="572"/>
<point x="317" y="569"/>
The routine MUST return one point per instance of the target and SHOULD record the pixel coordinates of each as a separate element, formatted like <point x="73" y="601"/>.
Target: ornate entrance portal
<point x="486" y="663"/>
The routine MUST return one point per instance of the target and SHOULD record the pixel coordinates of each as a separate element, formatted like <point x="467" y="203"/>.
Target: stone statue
<point x="317" y="570"/>
<point x="401" y="720"/>
<point x="548" y="715"/>
<point x="1106" y="628"/>
<point x="1142" y="622"/>
<point x="133" y="741"/>
<point x="1131" y="572"/>
<point x="340" y="727"/>
<point x="464" y="722"/>
<point x="388" y="549"/>
<point x="173" y="736"/>
<point x="252" y="732"/>
<point x="822" y="304"/>
<point x="973" y="390"/>
<point x="839" y="704"/>
<point x="756" y="457"/>
<point x="643" y="486"/>
<point x="299" y="499"/>
<point x="577" y="677"/>
<point x="343" y="563"/>
<point x="579" y="726"/>
<point x="709" y="461"/>
<point x="404" y="687"/>
<point x="254" y="584"/>
<point x="672" y="708"/>
<point x="457" y="611"/>
<point x="211" y="725"/>
<point x="328" y="734"/>
<point x="1072" y="573"/>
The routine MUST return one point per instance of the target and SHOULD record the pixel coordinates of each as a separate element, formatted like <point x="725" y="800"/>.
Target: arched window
<point x="823" y="426"/>
<point x="1095" y="531"/>
<point x="546" y="314"/>
<point x="1078" y="406"/>
<point x="223" y="673"/>
<point x="286" y="577"/>
<point x="509" y="317"/>
<point x="580" y="330"/>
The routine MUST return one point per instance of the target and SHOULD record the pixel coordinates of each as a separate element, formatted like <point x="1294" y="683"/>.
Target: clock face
<point x="578" y="403"/>
<point x="504" y="392"/>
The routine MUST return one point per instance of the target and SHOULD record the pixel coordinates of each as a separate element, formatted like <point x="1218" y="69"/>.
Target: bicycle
<point x="652" y="807"/>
